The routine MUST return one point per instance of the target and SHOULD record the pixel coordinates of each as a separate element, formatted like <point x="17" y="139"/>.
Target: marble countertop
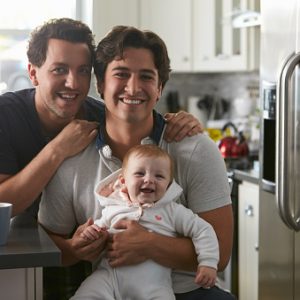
<point x="248" y="175"/>
<point x="27" y="247"/>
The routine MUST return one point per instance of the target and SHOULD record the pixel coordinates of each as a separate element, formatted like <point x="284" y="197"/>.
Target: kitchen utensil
<point x="192" y="108"/>
<point x="233" y="146"/>
<point x="173" y="102"/>
<point x="207" y="108"/>
<point x="219" y="108"/>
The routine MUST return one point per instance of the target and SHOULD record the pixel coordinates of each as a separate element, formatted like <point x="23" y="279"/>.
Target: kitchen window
<point x="17" y="20"/>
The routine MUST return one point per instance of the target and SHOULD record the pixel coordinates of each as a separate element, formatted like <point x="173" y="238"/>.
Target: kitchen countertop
<point x="246" y="175"/>
<point x="27" y="247"/>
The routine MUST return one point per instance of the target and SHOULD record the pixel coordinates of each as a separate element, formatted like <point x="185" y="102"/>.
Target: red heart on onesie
<point x="158" y="218"/>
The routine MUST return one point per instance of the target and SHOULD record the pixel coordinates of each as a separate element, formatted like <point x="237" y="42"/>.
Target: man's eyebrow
<point x="119" y="68"/>
<point x="148" y="71"/>
<point x="58" y="63"/>
<point x="63" y="64"/>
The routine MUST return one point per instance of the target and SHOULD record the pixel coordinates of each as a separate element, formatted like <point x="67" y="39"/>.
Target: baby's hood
<point x="173" y="192"/>
<point x="112" y="178"/>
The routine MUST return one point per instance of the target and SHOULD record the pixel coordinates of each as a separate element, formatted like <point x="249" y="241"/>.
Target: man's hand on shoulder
<point x="180" y="125"/>
<point x="75" y="137"/>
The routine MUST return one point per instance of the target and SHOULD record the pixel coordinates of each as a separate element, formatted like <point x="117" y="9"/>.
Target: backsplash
<point x="228" y="86"/>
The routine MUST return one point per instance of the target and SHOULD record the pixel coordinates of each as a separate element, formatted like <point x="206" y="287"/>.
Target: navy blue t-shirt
<point x="21" y="138"/>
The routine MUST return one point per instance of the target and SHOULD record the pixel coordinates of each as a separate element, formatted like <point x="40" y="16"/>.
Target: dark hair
<point x="64" y="29"/>
<point x="122" y="37"/>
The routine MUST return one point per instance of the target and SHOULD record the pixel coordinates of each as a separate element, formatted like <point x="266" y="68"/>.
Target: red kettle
<point x="233" y="146"/>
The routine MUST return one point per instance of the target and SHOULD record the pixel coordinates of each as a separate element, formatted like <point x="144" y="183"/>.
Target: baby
<point x="144" y="190"/>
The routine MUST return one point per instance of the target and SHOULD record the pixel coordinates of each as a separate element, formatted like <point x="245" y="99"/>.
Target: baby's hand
<point x="92" y="232"/>
<point x="206" y="276"/>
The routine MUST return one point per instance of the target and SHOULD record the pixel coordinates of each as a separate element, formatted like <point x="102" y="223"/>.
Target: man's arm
<point x="221" y="220"/>
<point x="24" y="187"/>
<point x="77" y="247"/>
<point x="180" y="254"/>
<point x="136" y="244"/>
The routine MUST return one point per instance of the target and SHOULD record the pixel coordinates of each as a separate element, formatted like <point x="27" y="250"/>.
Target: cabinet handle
<point x="249" y="210"/>
<point x="223" y="56"/>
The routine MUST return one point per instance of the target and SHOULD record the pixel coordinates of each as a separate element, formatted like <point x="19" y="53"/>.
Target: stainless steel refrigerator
<point x="279" y="203"/>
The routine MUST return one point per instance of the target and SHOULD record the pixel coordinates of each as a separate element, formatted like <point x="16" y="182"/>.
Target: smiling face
<point x="131" y="86"/>
<point x="63" y="81"/>
<point x="147" y="178"/>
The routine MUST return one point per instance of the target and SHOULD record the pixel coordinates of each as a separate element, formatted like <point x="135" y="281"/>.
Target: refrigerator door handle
<point x="285" y="195"/>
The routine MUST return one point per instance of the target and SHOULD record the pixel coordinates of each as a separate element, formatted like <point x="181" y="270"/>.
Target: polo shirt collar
<point x="154" y="137"/>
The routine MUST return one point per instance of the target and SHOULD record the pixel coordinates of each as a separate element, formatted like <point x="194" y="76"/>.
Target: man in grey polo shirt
<point x="132" y="68"/>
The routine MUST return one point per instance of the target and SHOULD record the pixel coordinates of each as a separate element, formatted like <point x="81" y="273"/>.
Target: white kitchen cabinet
<point x="217" y="46"/>
<point x="248" y="240"/>
<point x="198" y="33"/>
<point x="171" y="20"/>
<point x="102" y="15"/>
<point x="21" y="284"/>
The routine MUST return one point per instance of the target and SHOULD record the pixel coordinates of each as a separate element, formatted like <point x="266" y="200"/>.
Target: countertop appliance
<point x="208" y="107"/>
<point x="233" y="146"/>
<point x="279" y="202"/>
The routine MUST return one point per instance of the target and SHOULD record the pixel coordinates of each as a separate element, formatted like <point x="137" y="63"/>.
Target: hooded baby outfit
<point x="147" y="280"/>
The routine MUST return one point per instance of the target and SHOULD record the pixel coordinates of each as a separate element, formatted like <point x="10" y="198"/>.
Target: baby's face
<point x="147" y="178"/>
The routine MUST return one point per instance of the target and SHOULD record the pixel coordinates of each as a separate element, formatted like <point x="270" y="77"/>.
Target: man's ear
<point x="100" y="87"/>
<point x="32" y="70"/>
<point x="159" y="92"/>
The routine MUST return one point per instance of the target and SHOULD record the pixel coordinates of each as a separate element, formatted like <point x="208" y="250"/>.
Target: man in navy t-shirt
<point x="41" y="127"/>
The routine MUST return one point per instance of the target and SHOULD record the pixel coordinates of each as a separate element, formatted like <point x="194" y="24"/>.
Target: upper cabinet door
<point x="171" y="20"/>
<point x="217" y="45"/>
<point x="198" y="33"/>
<point x="107" y="14"/>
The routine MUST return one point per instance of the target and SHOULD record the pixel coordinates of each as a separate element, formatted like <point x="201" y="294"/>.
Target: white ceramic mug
<point x="5" y="215"/>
